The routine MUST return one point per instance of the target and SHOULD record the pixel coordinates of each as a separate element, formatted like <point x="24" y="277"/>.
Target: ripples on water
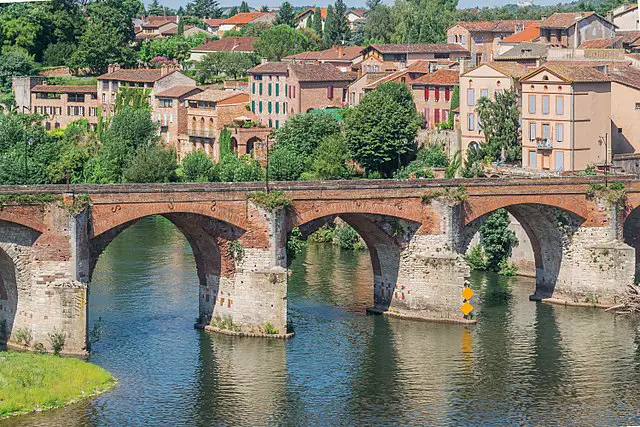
<point x="523" y="363"/>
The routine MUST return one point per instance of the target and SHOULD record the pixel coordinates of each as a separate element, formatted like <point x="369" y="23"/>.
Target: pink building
<point x="432" y="95"/>
<point x="395" y="57"/>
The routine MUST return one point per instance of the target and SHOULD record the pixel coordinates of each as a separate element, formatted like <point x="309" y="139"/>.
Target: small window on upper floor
<point x="637" y="106"/>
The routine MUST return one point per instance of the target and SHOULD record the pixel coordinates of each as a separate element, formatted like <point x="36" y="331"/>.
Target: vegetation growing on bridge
<point x="30" y="382"/>
<point x="615" y="193"/>
<point x="495" y="247"/>
<point x="28" y="199"/>
<point x="450" y="196"/>
<point x="270" y="201"/>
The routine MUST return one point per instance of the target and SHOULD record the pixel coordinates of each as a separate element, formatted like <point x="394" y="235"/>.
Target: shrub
<point x="496" y="238"/>
<point x="225" y="323"/>
<point x="198" y="167"/>
<point x="269" y="329"/>
<point x="330" y="159"/>
<point x="271" y="201"/>
<point x="152" y="163"/>
<point x="348" y="238"/>
<point x="477" y="258"/>
<point x="286" y="164"/>
<point x="23" y="335"/>
<point x="295" y="243"/>
<point x="57" y="339"/>
<point x="507" y="268"/>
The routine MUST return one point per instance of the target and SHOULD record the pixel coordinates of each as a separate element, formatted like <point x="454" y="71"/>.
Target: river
<point x="523" y="363"/>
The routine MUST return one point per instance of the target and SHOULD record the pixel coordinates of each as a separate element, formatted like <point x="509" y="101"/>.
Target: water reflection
<point x="523" y="363"/>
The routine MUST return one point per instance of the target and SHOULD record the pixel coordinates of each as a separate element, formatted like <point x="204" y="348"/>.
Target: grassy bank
<point x="33" y="382"/>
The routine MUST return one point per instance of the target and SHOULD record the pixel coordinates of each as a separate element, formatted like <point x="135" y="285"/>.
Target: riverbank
<point x="32" y="382"/>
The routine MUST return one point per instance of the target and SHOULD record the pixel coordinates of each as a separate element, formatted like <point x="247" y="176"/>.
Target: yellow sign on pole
<point x="466" y="308"/>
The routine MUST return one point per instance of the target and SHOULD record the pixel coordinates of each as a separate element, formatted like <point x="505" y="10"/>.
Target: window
<point x="270" y="123"/>
<point x="260" y="89"/>
<point x="436" y="115"/>
<point x="330" y="91"/>
<point x="47" y="126"/>
<point x="471" y="121"/>
<point x="470" y="97"/>
<point x="532" y="159"/>
<point x="447" y="93"/>
<point x="105" y="85"/>
<point x="47" y="95"/>
<point x="286" y="93"/>
<point x="452" y="39"/>
<point x="260" y="107"/>
<point x="463" y="39"/>
<point x="166" y="103"/>
<point x="75" y="97"/>
<point x="269" y="89"/>
<point x="484" y="92"/>
<point x="93" y="111"/>
<point x="427" y="117"/>
<point x="559" y="105"/>
<point x="269" y="107"/>
<point x="637" y="106"/>
<point x="545" y="104"/>
<point x="532" y="104"/>
<point x="114" y="86"/>
<point x="559" y="161"/>
<point x="104" y="97"/>
<point x="426" y="93"/>
<point x="532" y="131"/>
<point x="277" y="89"/>
<point x="294" y="92"/>
<point x="56" y="125"/>
<point x="559" y="131"/>
<point x="253" y="106"/>
<point x="253" y="88"/>
<point x="277" y="107"/>
<point x="277" y="124"/>
<point x="436" y="92"/>
<point x="545" y="131"/>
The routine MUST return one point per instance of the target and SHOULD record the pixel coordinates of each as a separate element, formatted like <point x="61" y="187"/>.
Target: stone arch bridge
<point x="416" y="231"/>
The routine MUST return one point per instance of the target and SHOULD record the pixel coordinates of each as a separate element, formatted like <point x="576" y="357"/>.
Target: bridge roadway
<point x="417" y="232"/>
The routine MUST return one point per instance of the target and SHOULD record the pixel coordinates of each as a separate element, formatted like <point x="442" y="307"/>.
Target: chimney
<point x="263" y="60"/>
<point x="112" y="68"/>
<point x="340" y="51"/>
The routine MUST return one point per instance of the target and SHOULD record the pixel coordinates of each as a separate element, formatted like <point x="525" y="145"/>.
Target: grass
<point x="35" y="382"/>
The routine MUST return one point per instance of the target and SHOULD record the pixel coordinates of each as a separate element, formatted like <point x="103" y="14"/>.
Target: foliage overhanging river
<point x="523" y="363"/>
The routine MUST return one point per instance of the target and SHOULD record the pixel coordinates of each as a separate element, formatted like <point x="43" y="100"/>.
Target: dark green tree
<point x="329" y="33"/>
<point x="244" y="7"/>
<point x="286" y="164"/>
<point x="496" y="238"/>
<point x="206" y="9"/>
<point x="317" y="21"/>
<point x="341" y="25"/>
<point x="264" y="9"/>
<point x="198" y="167"/>
<point x="286" y="15"/>
<point x="58" y="54"/>
<point x="14" y="64"/>
<point x="500" y="122"/>
<point x="303" y="132"/>
<point x="282" y="40"/>
<point x="330" y="159"/>
<point x="154" y="8"/>
<point x="232" y="12"/>
<point x="152" y="163"/>
<point x="180" y="30"/>
<point x="381" y="131"/>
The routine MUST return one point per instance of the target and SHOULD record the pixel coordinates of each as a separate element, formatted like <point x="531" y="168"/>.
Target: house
<point x="625" y="17"/>
<point x="625" y="110"/>
<point x="62" y="105"/>
<point x="302" y="18"/>
<point x="570" y="30"/>
<point x="526" y="54"/>
<point x="240" y="20"/>
<point x="189" y="30"/>
<point x="607" y="43"/>
<point x="155" y="29"/>
<point x="630" y="40"/>
<point x="530" y="34"/>
<point x="356" y="17"/>
<point x="482" y="39"/>
<point x="346" y="58"/>
<point x="432" y="95"/>
<point x="483" y="80"/>
<point x="213" y="24"/>
<point x="280" y="90"/>
<point x="170" y="111"/>
<point x="228" y="44"/>
<point x="566" y="114"/>
<point x="356" y="90"/>
<point x="208" y="112"/>
<point x="394" y="57"/>
<point x="157" y="80"/>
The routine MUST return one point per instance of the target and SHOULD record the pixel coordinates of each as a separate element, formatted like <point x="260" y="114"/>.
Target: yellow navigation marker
<point x="467" y="293"/>
<point x="466" y="308"/>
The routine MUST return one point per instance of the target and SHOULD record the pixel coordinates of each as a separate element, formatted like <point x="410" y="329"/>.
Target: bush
<point x="507" y="268"/>
<point x="152" y="163"/>
<point x="57" y="54"/>
<point x="285" y="164"/>
<point x="271" y="201"/>
<point x="303" y="132"/>
<point x="348" y="238"/>
<point x="57" y="339"/>
<point x="23" y="335"/>
<point x="477" y="258"/>
<point x="269" y="329"/>
<point x="496" y="238"/>
<point x="295" y="243"/>
<point x="234" y="169"/>
<point x="330" y="159"/>
<point x="198" y="167"/>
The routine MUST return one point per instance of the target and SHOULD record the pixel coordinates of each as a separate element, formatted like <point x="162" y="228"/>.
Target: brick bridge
<point x="583" y="247"/>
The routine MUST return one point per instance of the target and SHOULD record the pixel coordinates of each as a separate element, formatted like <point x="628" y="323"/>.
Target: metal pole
<point x="26" y="166"/>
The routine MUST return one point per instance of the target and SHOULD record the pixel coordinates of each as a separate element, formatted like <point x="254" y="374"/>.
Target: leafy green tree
<point x="180" y="30"/>
<point x="317" y="21"/>
<point x="244" y="7"/>
<point x="76" y="148"/>
<point x="433" y="156"/>
<point x="234" y="169"/>
<point x="232" y="12"/>
<point x="207" y="9"/>
<point x="381" y="131"/>
<point x="303" y="132"/>
<point x="228" y="63"/>
<point x="282" y="40"/>
<point x="500" y="122"/>
<point x="341" y="25"/>
<point x="255" y="30"/>
<point x="496" y="238"/>
<point x="176" y="48"/>
<point x="152" y="163"/>
<point x="264" y="9"/>
<point x="286" y="15"/>
<point x="423" y="21"/>
<point x="198" y="167"/>
<point x="329" y="33"/>
<point x="330" y="159"/>
<point x="379" y="25"/>
<point x="154" y="8"/>
<point x="473" y="167"/>
<point x="286" y="164"/>
<point x="310" y="22"/>
<point x="14" y="64"/>
<point x="58" y="54"/>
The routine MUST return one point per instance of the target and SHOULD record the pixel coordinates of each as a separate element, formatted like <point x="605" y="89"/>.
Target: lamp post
<point x="27" y="143"/>
<point x="605" y="142"/>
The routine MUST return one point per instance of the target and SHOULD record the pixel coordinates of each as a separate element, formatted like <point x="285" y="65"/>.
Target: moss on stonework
<point x="450" y="196"/>
<point x="270" y="201"/>
<point x="28" y="199"/>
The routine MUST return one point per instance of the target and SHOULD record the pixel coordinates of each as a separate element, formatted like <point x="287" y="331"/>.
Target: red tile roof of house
<point x="346" y="53"/>
<point x="571" y="73"/>
<point x="270" y="68"/>
<point x="566" y="20"/>
<point x="418" y="67"/>
<point x="529" y="34"/>
<point x="174" y="31"/>
<point x="629" y="37"/>
<point x="156" y="24"/>
<point x="64" y="89"/>
<point x="153" y="18"/>
<point x="323" y="12"/>
<point x="320" y="73"/>
<point x="228" y="44"/>
<point x="245" y="18"/>
<point x="508" y="68"/>
<point x="441" y="77"/>
<point x="216" y="95"/>
<point x="604" y="43"/>
<point x="214" y="22"/>
<point x="359" y="12"/>
<point x="629" y="76"/>
<point x="138" y="75"/>
<point x="418" y="48"/>
<point x="178" y="91"/>
<point x="504" y="26"/>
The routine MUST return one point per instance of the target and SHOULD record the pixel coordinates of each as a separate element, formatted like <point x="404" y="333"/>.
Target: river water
<point x="523" y="363"/>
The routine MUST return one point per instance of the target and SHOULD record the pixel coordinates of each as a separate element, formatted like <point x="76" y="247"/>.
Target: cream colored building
<point x="625" y="110"/>
<point x="566" y="117"/>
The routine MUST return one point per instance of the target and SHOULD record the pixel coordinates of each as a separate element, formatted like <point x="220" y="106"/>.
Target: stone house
<point x="570" y="30"/>
<point x="625" y="110"/>
<point x="530" y="34"/>
<point x="482" y="39"/>
<point x="526" y="54"/>
<point x="280" y="90"/>
<point x="170" y="111"/>
<point x="63" y="105"/>
<point x="356" y="90"/>
<point x="625" y="17"/>
<point x="213" y="24"/>
<point x="432" y="95"/>
<point x="240" y="20"/>
<point x="395" y="57"/>
<point x="346" y="58"/>
<point x="561" y="129"/>
<point x="483" y="80"/>
<point x="156" y="79"/>
<point x="229" y="44"/>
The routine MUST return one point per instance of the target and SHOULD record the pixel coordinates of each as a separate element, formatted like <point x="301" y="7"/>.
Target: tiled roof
<point x="604" y="43"/>
<point x="156" y="24"/>
<point x="635" y="56"/>
<point x="270" y="68"/>
<point x="504" y="26"/>
<point x="629" y="76"/>
<point x="214" y="22"/>
<point x="320" y="73"/>
<point x="358" y="12"/>
<point x="442" y="77"/>
<point x="565" y="20"/>
<point x="628" y="37"/>
<point x="228" y="44"/>
<point x="64" y="89"/>
<point x="215" y="95"/>
<point x="524" y="51"/>
<point x="155" y="18"/>
<point x="627" y="8"/>
<point x="178" y="91"/>
<point x="173" y="31"/>
<point x="511" y="69"/>
<point x="419" y="67"/>
<point x="323" y="12"/>
<point x="139" y="75"/>
<point x="572" y="73"/>
<point x="346" y="53"/>
<point x="529" y="34"/>
<point x="245" y="18"/>
<point x="418" y="48"/>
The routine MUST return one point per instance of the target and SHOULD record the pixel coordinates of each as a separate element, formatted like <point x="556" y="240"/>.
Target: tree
<point x="264" y="9"/>
<point x="155" y="9"/>
<point x="286" y="15"/>
<point x="232" y="12"/>
<point x="317" y="21"/>
<point x="57" y="54"/>
<point x="282" y="40"/>
<point x="329" y="33"/>
<point x="381" y="131"/>
<point x="423" y="21"/>
<point x="303" y="132"/>
<point x="310" y="22"/>
<point x="496" y="238"/>
<point x="228" y="63"/>
<point x="341" y="24"/>
<point x="330" y="159"/>
<point x="285" y="163"/>
<point x="14" y="64"/>
<point x="500" y="122"/>
<point x="379" y="25"/>
<point x="198" y="167"/>
<point x="207" y="9"/>
<point x="152" y="163"/>
<point x="455" y="103"/>
<point x="180" y="30"/>
<point x="244" y="7"/>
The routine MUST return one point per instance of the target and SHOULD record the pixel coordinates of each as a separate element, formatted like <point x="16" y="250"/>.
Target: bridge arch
<point x="631" y="235"/>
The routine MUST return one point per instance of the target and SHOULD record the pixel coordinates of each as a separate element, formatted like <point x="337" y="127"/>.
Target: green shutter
<point x="260" y="106"/>
<point x="269" y="89"/>
<point x="277" y="89"/>
<point x="269" y="107"/>
<point x="277" y="124"/>
<point x="253" y="88"/>
<point x="260" y="88"/>
<point x="253" y="106"/>
<point x="277" y="107"/>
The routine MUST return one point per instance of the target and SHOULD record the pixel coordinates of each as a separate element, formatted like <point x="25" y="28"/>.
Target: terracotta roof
<point x="245" y="18"/>
<point x="139" y="75"/>
<point x="358" y="12"/>
<point x="215" y="95"/>
<point x="629" y="76"/>
<point x="442" y="77"/>
<point x="529" y="34"/>
<point x="270" y="68"/>
<point x="511" y="69"/>
<point x="604" y="43"/>
<point x="178" y="91"/>
<point x="347" y="53"/>
<point x="627" y="8"/>
<point x="572" y="73"/>
<point x="64" y="89"/>
<point x="214" y="22"/>
<point x="154" y="18"/>
<point x="173" y="31"/>
<point x="418" y="48"/>
<point x="635" y="56"/>
<point x="419" y="67"/>
<point x="524" y="51"/>
<point x="323" y="12"/>
<point x="565" y="20"/>
<point x="504" y="26"/>
<point x="320" y="73"/>
<point x="156" y="24"/>
<point x="228" y="44"/>
<point x="628" y="37"/>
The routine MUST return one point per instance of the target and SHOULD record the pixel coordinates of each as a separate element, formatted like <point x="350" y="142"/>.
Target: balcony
<point x="204" y="133"/>
<point x="544" y="143"/>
